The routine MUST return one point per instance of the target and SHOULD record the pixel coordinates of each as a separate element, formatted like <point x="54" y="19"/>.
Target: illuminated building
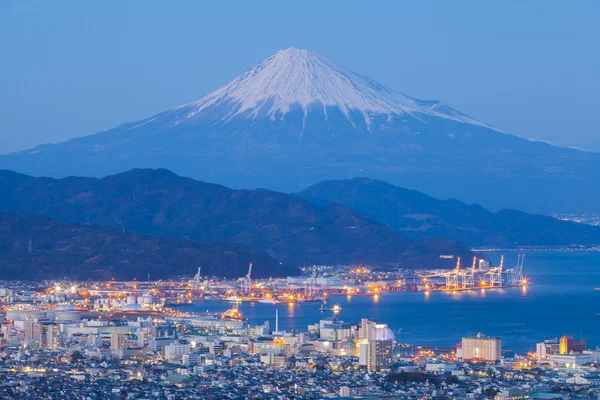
<point x="376" y="354"/>
<point x="277" y="346"/>
<point x="354" y="390"/>
<point x="333" y="329"/>
<point x="131" y="353"/>
<point x="28" y="326"/>
<point x="118" y="341"/>
<point x="569" y="345"/>
<point x="49" y="335"/>
<point x="197" y="358"/>
<point x="439" y="368"/>
<point x="481" y="347"/>
<point x="371" y="330"/>
<point x="44" y="335"/>
<point x="175" y="351"/>
<point x="376" y="345"/>
<point x="272" y="359"/>
<point x="572" y="360"/>
<point x="159" y="344"/>
<point x="168" y="331"/>
<point x="547" y="348"/>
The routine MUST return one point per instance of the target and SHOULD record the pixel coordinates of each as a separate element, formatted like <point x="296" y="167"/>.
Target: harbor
<point x="355" y="281"/>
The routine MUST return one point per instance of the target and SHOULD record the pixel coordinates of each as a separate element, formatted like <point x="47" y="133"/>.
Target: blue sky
<point x="69" y="69"/>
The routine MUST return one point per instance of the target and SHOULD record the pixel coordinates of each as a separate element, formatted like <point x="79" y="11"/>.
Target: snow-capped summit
<point x="298" y="118"/>
<point x="296" y="78"/>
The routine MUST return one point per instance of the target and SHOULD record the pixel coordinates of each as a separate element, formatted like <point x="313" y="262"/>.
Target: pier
<point x="471" y="278"/>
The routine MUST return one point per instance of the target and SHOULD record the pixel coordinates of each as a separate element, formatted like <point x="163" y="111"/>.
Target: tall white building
<point x="375" y="345"/>
<point x="333" y="329"/>
<point x="176" y="351"/>
<point x="380" y="354"/>
<point x="43" y="335"/>
<point x="546" y="348"/>
<point x="481" y="347"/>
<point x="371" y="330"/>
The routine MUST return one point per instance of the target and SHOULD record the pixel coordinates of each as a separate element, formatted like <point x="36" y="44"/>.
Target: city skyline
<point x="299" y="200"/>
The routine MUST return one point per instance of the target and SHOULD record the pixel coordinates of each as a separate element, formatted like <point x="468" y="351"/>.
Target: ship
<point x="268" y="301"/>
<point x="233" y="314"/>
<point x="178" y="303"/>
<point x="313" y="299"/>
<point x="336" y="308"/>
<point x="323" y="308"/>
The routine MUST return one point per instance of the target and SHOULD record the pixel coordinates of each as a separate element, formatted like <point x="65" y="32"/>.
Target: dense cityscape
<point x="117" y="340"/>
<point x="299" y="200"/>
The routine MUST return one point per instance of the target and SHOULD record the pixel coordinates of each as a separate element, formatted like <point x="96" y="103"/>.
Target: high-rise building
<point x="379" y="354"/>
<point x="164" y="331"/>
<point x="276" y="346"/>
<point x="334" y="329"/>
<point x="481" y="347"/>
<point x="371" y="330"/>
<point x="42" y="335"/>
<point x="118" y="341"/>
<point x="28" y="326"/>
<point x="47" y="334"/>
<point x="364" y="328"/>
<point x="569" y="345"/>
<point x="375" y="345"/>
<point x="52" y="332"/>
<point x="175" y="351"/>
<point x="547" y="348"/>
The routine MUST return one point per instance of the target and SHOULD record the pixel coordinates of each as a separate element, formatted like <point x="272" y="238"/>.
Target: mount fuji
<point x="298" y="118"/>
<point x="329" y="99"/>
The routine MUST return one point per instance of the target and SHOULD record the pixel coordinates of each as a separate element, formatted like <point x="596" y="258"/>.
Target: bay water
<point x="559" y="300"/>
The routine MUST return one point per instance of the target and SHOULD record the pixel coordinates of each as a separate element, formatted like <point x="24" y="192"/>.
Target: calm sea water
<point x="559" y="300"/>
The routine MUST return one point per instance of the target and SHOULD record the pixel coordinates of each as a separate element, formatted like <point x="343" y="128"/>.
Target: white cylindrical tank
<point x="71" y="315"/>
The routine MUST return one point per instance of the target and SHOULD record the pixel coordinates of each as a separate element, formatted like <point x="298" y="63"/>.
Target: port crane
<point x="453" y="278"/>
<point x="515" y="275"/>
<point x="469" y="276"/>
<point x="197" y="282"/>
<point x="463" y="279"/>
<point x="246" y="283"/>
<point x="310" y="286"/>
<point x="496" y="274"/>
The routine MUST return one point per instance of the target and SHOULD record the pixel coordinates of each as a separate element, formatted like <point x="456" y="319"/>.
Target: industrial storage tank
<point x="69" y="315"/>
<point x="145" y="300"/>
<point x="22" y="315"/>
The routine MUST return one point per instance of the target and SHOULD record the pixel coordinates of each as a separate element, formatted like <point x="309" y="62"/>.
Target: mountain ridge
<point x="161" y="203"/>
<point x="36" y="247"/>
<point x="418" y="215"/>
<point x="291" y="128"/>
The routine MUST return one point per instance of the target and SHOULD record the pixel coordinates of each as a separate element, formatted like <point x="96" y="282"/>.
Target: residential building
<point x="569" y="345"/>
<point x="481" y="347"/>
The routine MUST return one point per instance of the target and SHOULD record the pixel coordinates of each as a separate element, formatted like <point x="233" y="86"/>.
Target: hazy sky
<point x="74" y="68"/>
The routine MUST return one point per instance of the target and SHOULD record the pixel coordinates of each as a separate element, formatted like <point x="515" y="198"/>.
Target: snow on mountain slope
<point x="298" y="118"/>
<point x="301" y="78"/>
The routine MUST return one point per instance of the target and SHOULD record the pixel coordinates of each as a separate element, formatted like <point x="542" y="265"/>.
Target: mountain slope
<point x="35" y="247"/>
<point x="300" y="79"/>
<point x="161" y="203"/>
<point x="417" y="215"/>
<point x="298" y="118"/>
